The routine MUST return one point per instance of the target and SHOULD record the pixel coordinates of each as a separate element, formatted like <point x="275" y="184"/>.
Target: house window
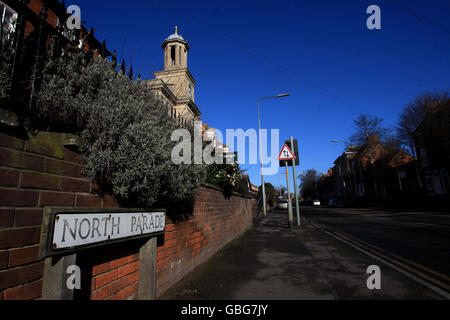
<point x="189" y="91"/>
<point x="8" y="17"/>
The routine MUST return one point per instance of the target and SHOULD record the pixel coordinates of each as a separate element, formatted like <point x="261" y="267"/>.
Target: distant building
<point x="432" y="143"/>
<point x="373" y="172"/>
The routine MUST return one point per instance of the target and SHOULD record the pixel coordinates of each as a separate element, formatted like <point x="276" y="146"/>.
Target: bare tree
<point x="308" y="183"/>
<point x="367" y="126"/>
<point x="414" y="113"/>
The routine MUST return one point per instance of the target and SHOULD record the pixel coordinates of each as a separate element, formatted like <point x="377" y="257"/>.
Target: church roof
<point x="175" y="37"/>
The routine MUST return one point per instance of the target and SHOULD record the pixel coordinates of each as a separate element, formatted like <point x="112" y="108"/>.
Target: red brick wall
<point x="215" y="221"/>
<point x="41" y="172"/>
<point x="35" y="173"/>
<point x="110" y="273"/>
<point x="120" y="282"/>
<point x="36" y="7"/>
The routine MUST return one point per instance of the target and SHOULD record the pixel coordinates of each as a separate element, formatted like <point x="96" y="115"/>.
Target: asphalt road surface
<point x="415" y="242"/>
<point x="327" y="257"/>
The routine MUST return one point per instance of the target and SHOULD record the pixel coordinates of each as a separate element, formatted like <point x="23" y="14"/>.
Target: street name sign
<point x="71" y="231"/>
<point x="286" y="153"/>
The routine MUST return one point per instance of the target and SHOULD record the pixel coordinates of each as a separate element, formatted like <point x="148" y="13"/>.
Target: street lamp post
<point x="260" y="149"/>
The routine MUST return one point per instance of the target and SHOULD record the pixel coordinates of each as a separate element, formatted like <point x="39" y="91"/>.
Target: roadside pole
<point x="291" y="218"/>
<point x="297" y="207"/>
<point x="286" y="154"/>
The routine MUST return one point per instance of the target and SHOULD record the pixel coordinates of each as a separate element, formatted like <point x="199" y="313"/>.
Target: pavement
<point x="315" y="262"/>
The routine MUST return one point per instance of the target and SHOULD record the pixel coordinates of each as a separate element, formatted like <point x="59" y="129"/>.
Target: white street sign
<point x="78" y="229"/>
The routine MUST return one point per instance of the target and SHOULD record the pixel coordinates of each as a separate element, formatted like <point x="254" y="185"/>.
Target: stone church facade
<point x="175" y="84"/>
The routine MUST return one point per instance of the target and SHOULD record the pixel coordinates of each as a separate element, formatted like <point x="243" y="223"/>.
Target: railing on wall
<point x="31" y="45"/>
<point x="31" y="38"/>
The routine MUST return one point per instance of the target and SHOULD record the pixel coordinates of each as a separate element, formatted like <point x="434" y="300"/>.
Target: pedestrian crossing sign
<point x="286" y="153"/>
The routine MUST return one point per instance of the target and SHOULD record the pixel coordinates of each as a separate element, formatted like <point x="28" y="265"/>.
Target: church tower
<point x="177" y="78"/>
<point x="175" y="51"/>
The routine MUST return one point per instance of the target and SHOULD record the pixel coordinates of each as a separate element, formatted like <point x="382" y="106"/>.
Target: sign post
<point x="287" y="154"/>
<point x="65" y="232"/>
<point x="297" y="207"/>
<point x="291" y="218"/>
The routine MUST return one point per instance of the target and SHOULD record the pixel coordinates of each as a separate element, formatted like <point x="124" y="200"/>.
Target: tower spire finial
<point x="176" y="29"/>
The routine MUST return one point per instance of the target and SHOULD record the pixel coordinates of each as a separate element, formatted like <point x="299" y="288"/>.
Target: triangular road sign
<point x="286" y="153"/>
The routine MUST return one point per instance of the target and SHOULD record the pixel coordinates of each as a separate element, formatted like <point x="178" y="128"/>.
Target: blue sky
<point x="319" y="51"/>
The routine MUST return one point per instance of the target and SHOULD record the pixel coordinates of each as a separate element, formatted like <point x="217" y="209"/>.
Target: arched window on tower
<point x="172" y="55"/>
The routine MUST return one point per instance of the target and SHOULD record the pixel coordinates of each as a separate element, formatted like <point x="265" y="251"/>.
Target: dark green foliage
<point x="242" y="186"/>
<point x="226" y="176"/>
<point x="125" y="130"/>
<point x="271" y="193"/>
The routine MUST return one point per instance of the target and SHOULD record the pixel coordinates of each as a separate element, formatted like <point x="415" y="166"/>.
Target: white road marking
<point x="406" y="273"/>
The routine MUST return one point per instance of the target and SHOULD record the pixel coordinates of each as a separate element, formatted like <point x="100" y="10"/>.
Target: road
<point x="415" y="242"/>
<point x="327" y="257"/>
